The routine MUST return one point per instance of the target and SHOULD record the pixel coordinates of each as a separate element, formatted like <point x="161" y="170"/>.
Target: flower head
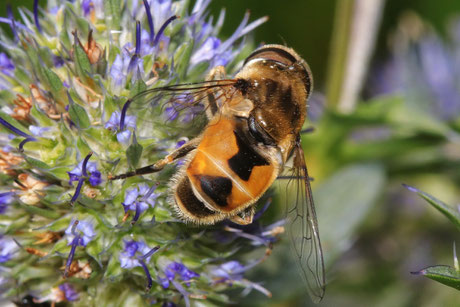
<point x="64" y="94"/>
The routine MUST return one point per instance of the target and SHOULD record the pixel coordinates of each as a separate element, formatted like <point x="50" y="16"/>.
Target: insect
<point x="253" y="132"/>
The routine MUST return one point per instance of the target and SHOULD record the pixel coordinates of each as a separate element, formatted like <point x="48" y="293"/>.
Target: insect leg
<point x="245" y="217"/>
<point x="212" y="103"/>
<point x="159" y="165"/>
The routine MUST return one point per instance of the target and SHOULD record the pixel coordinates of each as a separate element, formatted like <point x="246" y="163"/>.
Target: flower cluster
<point x="65" y="76"/>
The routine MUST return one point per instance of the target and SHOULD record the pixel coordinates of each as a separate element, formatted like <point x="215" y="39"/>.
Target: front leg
<point x="159" y="165"/>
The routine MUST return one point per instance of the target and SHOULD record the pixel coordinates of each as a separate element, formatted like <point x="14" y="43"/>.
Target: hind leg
<point x="159" y="165"/>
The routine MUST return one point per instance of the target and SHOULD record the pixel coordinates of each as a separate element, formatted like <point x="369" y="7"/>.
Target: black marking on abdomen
<point x="189" y="201"/>
<point x="216" y="188"/>
<point x="245" y="159"/>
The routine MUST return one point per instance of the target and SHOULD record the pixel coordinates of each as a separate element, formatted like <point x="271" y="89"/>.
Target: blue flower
<point x="6" y="65"/>
<point x="69" y="292"/>
<point x="208" y="52"/>
<point x="78" y="233"/>
<point x="91" y="168"/>
<point x="215" y="51"/>
<point x="38" y="131"/>
<point x="182" y="108"/>
<point x="83" y="230"/>
<point x="424" y="69"/>
<point x="232" y="271"/>
<point x="229" y="271"/>
<point x="133" y="253"/>
<point x="58" y="61"/>
<point x="136" y="253"/>
<point x="119" y="69"/>
<point x="161" y="11"/>
<point x="7" y="248"/>
<point x="87" y="6"/>
<point x="140" y="198"/>
<point x="5" y="199"/>
<point x="177" y="269"/>
<point x="124" y="135"/>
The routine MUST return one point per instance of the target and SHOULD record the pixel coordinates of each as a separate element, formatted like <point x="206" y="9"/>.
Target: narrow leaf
<point x="134" y="152"/>
<point x="138" y="86"/>
<point x="442" y="273"/>
<point x="112" y="12"/>
<point x="53" y="79"/>
<point x="81" y="60"/>
<point x="78" y="116"/>
<point x="448" y="211"/>
<point x="34" y="163"/>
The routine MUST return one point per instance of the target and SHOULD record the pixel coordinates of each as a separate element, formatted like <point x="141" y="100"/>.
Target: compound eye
<point x="258" y="133"/>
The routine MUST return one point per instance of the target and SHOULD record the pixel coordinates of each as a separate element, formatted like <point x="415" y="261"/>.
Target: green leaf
<point x="138" y="87"/>
<point x="182" y="58"/>
<point x="83" y="146"/>
<point x="36" y="163"/>
<point x="53" y="80"/>
<point x="355" y="190"/>
<point x="445" y="209"/>
<point x="113" y="13"/>
<point x="81" y="60"/>
<point x="134" y="152"/>
<point x="34" y="210"/>
<point x="78" y="116"/>
<point x="94" y="249"/>
<point x="442" y="273"/>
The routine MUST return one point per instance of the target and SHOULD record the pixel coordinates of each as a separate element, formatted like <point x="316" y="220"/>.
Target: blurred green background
<point x="374" y="231"/>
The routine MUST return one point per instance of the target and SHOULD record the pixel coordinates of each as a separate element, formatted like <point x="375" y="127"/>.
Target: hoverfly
<point x="253" y="130"/>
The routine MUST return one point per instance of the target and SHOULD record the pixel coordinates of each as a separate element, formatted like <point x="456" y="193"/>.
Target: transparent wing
<point x="183" y="96"/>
<point x="303" y="227"/>
<point x="168" y="109"/>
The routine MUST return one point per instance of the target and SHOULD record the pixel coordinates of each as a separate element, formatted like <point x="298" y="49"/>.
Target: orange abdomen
<point x="226" y="171"/>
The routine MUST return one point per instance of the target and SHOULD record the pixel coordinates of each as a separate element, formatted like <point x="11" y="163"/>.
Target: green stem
<point x="339" y="51"/>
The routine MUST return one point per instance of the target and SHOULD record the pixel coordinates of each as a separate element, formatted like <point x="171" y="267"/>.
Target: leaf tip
<point x="411" y="188"/>
<point x="418" y="273"/>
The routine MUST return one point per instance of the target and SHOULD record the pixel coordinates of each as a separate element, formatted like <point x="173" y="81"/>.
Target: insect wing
<point x="181" y="102"/>
<point x="303" y="228"/>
